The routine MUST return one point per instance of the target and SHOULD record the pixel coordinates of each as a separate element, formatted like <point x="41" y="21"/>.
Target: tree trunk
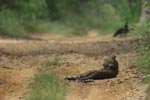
<point x="145" y="11"/>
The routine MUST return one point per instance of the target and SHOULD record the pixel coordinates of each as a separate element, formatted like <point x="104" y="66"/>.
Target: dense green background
<point x="19" y="17"/>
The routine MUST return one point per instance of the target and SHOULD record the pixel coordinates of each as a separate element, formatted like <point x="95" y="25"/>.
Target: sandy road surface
<point x="21" y="59"/>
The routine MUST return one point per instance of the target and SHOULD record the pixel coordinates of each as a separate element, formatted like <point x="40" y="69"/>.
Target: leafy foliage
<point x="101" y="15"/>
<point x="10" y="25"/>
<point x="143" y="62"/>
<point x="144" y="59"/>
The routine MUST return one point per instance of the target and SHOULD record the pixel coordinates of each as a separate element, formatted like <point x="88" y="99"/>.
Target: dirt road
<point x="21" y="59"/>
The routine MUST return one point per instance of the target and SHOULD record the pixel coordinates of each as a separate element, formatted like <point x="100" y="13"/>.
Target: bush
<point x="144" y="50"/>
<point x="48" y="62"/>
<point x="47" y="86"/>
<point x="10" y="25"/>
<point x="70" y="15"/>
<point x="144" y="59"/>
<point x="37" y="26"/>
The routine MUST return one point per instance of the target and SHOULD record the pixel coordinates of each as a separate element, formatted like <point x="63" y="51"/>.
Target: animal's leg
<point x="92" y="75"/>
<point x="84" y="75"/>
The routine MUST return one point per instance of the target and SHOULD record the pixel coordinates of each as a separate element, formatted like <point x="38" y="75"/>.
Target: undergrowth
<point x="66" y="17"/>
<point x="47" y="85"/>
<point x="144" y="59"/>
<point x="10" y="25"/>
<point x="50" y="62"/>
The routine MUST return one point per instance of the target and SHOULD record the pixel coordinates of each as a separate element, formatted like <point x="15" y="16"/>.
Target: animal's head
<point x="113" y="57"/>
<point x="109" y="61"/>
<point x="110" y="58"/>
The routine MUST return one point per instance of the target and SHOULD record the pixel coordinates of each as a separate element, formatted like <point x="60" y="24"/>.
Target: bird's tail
<point x="115" y="34"/>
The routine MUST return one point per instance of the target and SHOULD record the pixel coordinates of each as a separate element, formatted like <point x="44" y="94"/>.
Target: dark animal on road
<point x="122" y="31"/>
<point x="110" y="70"/>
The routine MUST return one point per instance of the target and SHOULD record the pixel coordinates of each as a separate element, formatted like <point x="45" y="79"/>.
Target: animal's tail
<point x="71" y="78"/>
<point x="77" y="79"/>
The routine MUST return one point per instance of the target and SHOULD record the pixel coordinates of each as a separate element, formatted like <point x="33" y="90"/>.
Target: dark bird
<point x="122" y="31"/>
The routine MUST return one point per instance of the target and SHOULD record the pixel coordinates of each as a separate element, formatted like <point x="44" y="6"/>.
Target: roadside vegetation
<point x="50" y="62"/>
<point x="47" y="85"/>
<point x="143" y="62"/>
<point x="67" y="17"/>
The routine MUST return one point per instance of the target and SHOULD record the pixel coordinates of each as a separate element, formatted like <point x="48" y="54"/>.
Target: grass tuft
<point x="47" y="86"/>
<point x="52" y="62"/>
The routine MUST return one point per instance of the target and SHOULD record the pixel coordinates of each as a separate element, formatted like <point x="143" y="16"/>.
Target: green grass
<point x="37" y="26"/>
<point x="138" y="30"/>
<point x="47" y="86"/>
<point x="50" y="62"/>
<point x="10" y="25"/>
<point x="143" y="62"/>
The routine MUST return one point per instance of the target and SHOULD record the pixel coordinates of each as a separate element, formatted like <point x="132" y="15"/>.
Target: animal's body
<point x="122" y="31"/>
<point x="110" y="70"/>
<point x="99" y="74"/>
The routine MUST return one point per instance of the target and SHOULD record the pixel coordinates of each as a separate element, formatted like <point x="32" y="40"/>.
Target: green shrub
<point x="48" y="62"/>
<point x="74" y="17"/>
<point x="37" y="26"/>
<point x="47" y="86"/>
<point x="144" y="50"/>
<point x="10" y="25"/>
<point x="144" y="59"/>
